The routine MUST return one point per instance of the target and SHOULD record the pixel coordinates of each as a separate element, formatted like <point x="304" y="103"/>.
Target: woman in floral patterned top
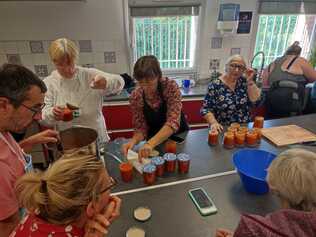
<point x="72" y="198"/>
<point x="156" y="107"/>
<point x="231" y="96"/>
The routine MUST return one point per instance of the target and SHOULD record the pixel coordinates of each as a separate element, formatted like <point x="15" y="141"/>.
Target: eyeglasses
<point x="112" y="184"/>
<point x="241" y="68"/>
<point x="35" y="110"/>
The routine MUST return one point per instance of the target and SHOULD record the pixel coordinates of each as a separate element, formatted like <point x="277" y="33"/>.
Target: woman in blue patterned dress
<point x="231" y="96"/>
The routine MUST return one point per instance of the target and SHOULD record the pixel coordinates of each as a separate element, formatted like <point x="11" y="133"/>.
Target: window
<point x="171" y="39"/>
<point x="168" y="32"/>
<point x="277" y="32"/>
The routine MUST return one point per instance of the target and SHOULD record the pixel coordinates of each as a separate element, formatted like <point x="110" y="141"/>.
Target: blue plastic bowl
<point x="252" y="165"/>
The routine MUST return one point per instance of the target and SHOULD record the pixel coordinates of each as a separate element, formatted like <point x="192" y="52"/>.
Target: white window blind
<point x="271" y="7"/>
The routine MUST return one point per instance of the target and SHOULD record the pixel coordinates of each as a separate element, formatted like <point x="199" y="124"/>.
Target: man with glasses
<point x="21" y="100"/>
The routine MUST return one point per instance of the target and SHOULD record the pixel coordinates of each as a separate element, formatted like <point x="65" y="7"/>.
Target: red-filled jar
<point x="149" y="174"/>
<point x="251" y="138"/>
<point x="229" y="140"/>
<point x="171" y="162"/>
<point x="183" y="163"/>
<point x="126" y="170"/>
<point x="259" y="121"/>
<point x="240" y="138"/>
<point x="159" y="162"/>
<point x="259" y="134"/>
<point x="170" y="146"/>
<point x="67" y="114"/>
<point x="213" y="138"/>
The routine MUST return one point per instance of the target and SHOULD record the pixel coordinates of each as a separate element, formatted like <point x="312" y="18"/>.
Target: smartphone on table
<point x="202" y="201"/>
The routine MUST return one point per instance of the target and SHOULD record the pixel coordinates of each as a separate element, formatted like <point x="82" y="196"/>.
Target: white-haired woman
<point x="78" y="86"/>
<point x="231" y="96"/>
<point x="71" y="198"/>
<point x="292" y="178"/>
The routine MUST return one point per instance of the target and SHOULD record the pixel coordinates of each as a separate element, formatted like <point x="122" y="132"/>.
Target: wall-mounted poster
<point x="244" y="23"/>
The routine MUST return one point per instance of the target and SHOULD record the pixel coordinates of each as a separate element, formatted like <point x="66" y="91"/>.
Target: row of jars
<point x="168" y="163"/>
<point x="237" y="135"/>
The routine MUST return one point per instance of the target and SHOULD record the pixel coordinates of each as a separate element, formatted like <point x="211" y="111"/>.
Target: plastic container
<point x="183" y="163"/>
<point x="159" y="162"/>
<point x="149" y="174"/>
<point x="126" y="170"/>
<point x="171" y="162"/>
<point x="252" y="165"/>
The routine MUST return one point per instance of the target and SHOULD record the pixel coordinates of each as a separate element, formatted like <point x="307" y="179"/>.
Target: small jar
<point x="243" y="129"/>
<point x="235" y="125"/>
<point x="149" y="174"/>
<point x="258" y="123"/>
<point x="170" y="146"/>
<point x="126" y="170"/>
<point x="171" y="161"/>
<point x="159" y="162"/>
<point x="229" y="140"/>
<point x="259" y="134"/>
<point x="240" y="138"/>
<point x="213" y="138"/>
<point x="251" y="138"/>
<point x="67" y="114"/>
<point x="183" y="163"/>
<point x="232" y="130"/>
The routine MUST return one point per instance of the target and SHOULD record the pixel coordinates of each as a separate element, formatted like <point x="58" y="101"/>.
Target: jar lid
<point x="169" y="156"/>
<point x="183" y="157"/>
<point x="158" y="160"/>
<point x="135" y="231"/>
<point x="149" y="168"/>
<point x="142" y="213"/>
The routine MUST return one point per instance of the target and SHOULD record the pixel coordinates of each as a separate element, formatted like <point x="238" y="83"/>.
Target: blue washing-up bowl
<point x="252" y="165"/>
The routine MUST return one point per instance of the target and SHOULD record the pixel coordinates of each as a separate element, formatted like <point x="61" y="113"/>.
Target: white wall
<point x="100" y="21"/>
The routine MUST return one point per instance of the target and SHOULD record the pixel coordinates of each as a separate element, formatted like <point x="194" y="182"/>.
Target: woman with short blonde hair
<point x="292" y="177"/>
<point x="71" y="196"/>
<point x="79" y="89"/>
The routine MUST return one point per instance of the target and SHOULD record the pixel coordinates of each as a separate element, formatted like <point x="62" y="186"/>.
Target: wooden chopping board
<point x="289" y="134"/>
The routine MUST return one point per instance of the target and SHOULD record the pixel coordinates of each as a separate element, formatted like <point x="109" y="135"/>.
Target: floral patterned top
<point x="33" y="226"/>
<point x="171" y="95"/>
<point x="228" y="106"/>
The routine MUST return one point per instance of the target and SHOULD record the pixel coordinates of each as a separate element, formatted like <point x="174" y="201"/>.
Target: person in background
<point x="292" y="177"/>
<point x="71" y="198"/>
<point x="290" y="66"/>
<point x="21" y="100"/>
<point x="156" y="107"/>
<point x="231" y="96"/>
<point x="81" y="87"/>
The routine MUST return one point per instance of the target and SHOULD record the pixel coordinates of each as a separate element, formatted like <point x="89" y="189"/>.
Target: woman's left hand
<point x="250" y="73"/>
<point x="144" y="151"/>
<point x="98" y="82"/>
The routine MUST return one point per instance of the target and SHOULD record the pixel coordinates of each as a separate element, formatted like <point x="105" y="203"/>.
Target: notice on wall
<point x="244" y="24"/>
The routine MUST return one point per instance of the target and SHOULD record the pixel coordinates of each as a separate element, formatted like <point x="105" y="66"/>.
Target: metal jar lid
<point x="158" y="160"/>
<point x="135" y="231"/>
<point x="169" y="157"/>
<point x="149" y="168"/>
<point x="142" y="213"/>
<point x="183" y="157"/>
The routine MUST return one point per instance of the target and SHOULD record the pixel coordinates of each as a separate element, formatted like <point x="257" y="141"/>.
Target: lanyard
<point x="19" y="153"/>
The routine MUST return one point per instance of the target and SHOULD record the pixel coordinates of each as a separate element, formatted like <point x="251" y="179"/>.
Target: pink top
<point x="12" y="165"/>
<point x="283" y="223"/>
<point x="172" y="96"/>
<point x="33" y="226"/>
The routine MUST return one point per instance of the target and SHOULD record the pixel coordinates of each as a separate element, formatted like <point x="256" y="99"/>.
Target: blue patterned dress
<point x="228" y="106"/>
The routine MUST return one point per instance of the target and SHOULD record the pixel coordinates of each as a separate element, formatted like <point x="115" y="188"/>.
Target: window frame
<point x="129" y="33"/>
